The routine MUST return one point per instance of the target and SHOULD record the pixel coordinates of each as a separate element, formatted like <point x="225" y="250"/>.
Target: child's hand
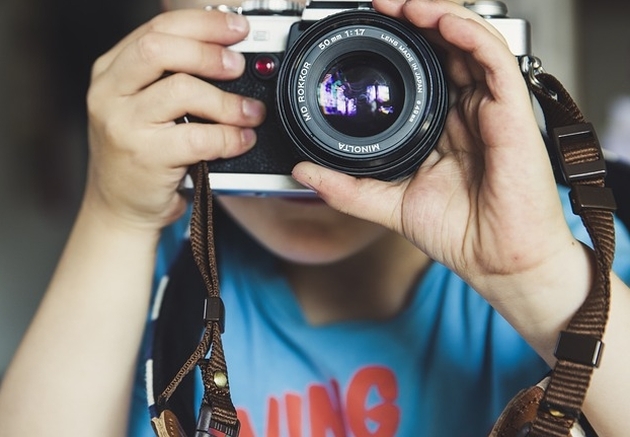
<point x="138" y="153"/>
<point x="485" y="202"/>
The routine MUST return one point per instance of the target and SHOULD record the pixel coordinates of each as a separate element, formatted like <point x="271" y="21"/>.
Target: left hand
<point x="485" y="202"/>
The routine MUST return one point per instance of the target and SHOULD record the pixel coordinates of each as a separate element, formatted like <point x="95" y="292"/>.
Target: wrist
<point x="540" y="303"/>
<point x="118" y="217"/>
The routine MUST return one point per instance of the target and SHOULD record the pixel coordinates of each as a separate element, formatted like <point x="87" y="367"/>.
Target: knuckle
<point x="177" y="85"/>
<point x="234" y="142"/>
<point x="197" y="140"/>
<point x="230" y="140"/>
<point x="150" y="47"/>
<point x="110" y="129"/>
<point x="232" y="106"/>
<point x="157" y="23"/>
<point x="208" y="58"/>
<point x="94" y="101"/>
<point x="99" y="66"/>
<point x="226" y="140"/>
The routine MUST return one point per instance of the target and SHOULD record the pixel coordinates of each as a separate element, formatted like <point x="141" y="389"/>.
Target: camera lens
<point x="362" y="93"/>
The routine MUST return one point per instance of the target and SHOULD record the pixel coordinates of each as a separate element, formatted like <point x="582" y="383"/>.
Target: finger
<point x="426" y="14"/>
<point x="179" y="94"/>
<point x="186" y="144"/>
<point x="493" y="62"/>
<point x="208" y="26"/>
<point x="152" y="55"/>
<point x="365" y="198"/>
<point x="504" y="116"/>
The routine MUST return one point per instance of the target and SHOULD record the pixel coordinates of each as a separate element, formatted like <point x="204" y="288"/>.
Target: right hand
<point x="138" y="154"/>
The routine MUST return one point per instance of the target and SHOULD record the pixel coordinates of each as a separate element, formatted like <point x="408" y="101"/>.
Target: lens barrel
<point x="362" y="93"/>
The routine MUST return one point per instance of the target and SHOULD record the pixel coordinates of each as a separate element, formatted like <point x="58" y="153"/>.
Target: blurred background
<point x="46" y="51"/>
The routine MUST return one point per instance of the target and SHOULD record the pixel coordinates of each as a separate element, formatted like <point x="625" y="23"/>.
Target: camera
<point x="345" y="87"/>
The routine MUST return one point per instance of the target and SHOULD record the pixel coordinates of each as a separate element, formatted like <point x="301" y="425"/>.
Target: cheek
<point x="309" y="235"/>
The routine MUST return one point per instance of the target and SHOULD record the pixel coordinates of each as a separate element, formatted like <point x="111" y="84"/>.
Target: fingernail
<point x="248" y="137"/>
<point x="253" y="108"/>
<point x="232" y="60"/>
<point x="306" y="184"/>
<point x="236" y="22"/>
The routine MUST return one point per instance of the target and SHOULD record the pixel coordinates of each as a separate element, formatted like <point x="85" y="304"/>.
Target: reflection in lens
<point x="361" y="95"/>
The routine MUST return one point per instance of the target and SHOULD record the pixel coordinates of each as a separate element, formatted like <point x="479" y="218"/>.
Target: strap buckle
<point x="207" y="426"/>
<point x="566" y="136"/>
<point x="585" y="197"/>
<point x="214" y="311"/>
<point x="591" y="166"/>
<point x="579" y="348"/>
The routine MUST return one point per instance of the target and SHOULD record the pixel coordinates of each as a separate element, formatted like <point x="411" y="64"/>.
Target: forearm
<point x="73" y="373"/>
<point x="542" y="312"/>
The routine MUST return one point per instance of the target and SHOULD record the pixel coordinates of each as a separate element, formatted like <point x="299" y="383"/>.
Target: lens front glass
<point x="361" y="94"/>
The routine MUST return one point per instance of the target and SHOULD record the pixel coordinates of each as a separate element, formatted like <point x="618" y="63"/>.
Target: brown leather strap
<point x="167" y="425"/>
<point x="579" y="348"/>
<point x="519" y="413"/>
<point x="217" y="412"/>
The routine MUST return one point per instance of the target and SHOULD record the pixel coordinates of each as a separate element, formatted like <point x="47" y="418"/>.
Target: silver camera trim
<point x="269" y="33"/>
<point x="255" y="185"/>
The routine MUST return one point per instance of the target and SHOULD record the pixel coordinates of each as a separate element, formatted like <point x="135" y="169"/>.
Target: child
<point x="347" y="317"/>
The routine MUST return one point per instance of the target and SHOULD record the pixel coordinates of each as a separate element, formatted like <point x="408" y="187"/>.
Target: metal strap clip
<point x="209" y="427"/>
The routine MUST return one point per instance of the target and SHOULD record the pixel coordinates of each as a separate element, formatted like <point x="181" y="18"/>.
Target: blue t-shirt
<point x="445" y="366"/>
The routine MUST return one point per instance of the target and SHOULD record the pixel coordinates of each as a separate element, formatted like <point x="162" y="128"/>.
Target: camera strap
<point x="217" y="415"/>
<point x="554" y="408"/>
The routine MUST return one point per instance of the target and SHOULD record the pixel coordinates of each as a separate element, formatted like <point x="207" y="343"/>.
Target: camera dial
<point x="488" y="8"/>
<point x="271" y="7"/>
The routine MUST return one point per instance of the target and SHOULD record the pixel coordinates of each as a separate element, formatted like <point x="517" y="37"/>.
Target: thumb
<point x="368" y="199"/>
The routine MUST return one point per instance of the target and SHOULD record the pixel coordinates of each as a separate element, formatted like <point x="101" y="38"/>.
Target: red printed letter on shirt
<point x="325" y="415"/>
<point x="370" y="403"/>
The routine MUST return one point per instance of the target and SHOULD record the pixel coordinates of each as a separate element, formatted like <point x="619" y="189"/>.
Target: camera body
<point x="345" y="87"/>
